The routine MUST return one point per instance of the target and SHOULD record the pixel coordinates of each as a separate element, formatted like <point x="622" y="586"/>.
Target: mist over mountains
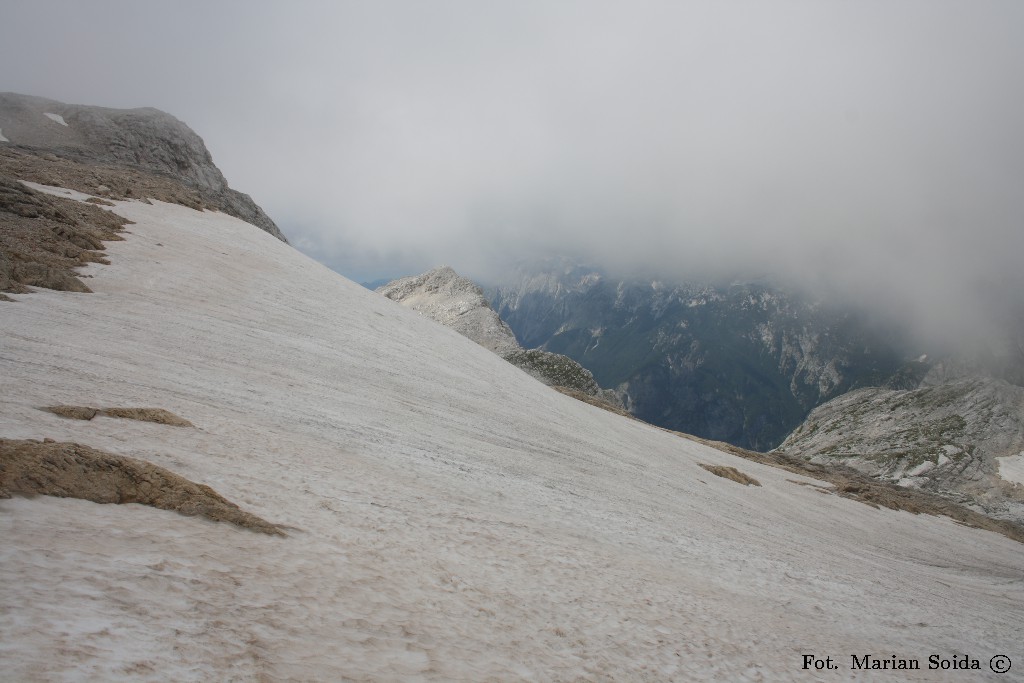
<point x="793" y="226"/>
<point x="869" y="151"/>
<point x="741" y="362"/>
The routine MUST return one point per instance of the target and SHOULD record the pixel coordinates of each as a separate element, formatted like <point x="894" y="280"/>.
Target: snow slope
<point x="451" y="518"/>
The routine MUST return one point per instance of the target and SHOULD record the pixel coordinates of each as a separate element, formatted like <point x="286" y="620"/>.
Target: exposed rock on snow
<point x="454" y="519"/>
<point x="459" y="303"/>
<point x="71" y="470"/>
<point x="158" y="415"/>
<point x="945" y="438"/>
<point x="44" y="239"/>
<point x="856" y="485"/>
<point x="731" y="473"/>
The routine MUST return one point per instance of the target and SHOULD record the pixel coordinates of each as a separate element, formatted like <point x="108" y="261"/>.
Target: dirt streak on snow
<point x="452" y="518"/>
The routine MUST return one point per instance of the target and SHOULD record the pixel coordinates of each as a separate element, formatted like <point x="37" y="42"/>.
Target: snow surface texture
<point x="56" y="118"/>
<point x="450" y="517"/>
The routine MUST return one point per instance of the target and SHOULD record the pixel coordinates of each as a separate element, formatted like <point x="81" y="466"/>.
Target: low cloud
<point x="871" y="150"/>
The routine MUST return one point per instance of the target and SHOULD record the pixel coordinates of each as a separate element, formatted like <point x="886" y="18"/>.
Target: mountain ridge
<point x="459" y="303"/>
<point x="85" y="147"/>
<point x="742" y="363"/>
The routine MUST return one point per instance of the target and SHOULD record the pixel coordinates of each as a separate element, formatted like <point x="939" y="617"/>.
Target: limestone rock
<point x="944" y="438"/>
<point x="146" y="139"/>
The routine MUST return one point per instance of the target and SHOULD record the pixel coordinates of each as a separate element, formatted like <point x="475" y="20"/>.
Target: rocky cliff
<point x="948" y="438"/>
<point x="456" y="302"/>
<point x="119" y="152"/>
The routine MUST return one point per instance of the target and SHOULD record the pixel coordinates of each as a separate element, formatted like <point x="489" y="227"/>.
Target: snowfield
<point x="56" y="118"/>
<point x="449" y="517"/>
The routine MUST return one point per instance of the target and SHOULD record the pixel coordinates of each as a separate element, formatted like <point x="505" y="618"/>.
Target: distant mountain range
<point x="759" y="367"/>
<point x="742" y="363"/>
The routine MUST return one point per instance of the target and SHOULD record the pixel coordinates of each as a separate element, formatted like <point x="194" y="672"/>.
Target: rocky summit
<point x="119" y="153"/>
<point x="459" y="303"/>
<point x="454" y="301"/>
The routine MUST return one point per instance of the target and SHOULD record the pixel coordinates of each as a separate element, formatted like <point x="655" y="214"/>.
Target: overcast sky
<point x="874" y="146"/>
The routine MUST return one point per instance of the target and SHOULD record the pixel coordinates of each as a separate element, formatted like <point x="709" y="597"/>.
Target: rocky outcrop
<point x="456" y="302"/>
<point x="71" y="470"/>
<point x="44" y="239"/>
<point x="944" y="438"/>
<point x="146" y="141"/>
<point x="459" y="303"/>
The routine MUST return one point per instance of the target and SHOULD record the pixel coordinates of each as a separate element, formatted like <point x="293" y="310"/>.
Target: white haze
<point x="870" y="148"/>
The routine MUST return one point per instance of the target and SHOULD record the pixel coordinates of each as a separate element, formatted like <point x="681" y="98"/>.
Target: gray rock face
<point x="456" y="302"/>
<point x="459" y="303"/>
<point x="146" y="139"/>
<point x="944" y="438"/>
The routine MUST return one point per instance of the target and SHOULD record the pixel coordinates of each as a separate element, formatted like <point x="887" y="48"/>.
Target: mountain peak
<point x="456" y="302"/>
<point x="459" y="303"/>
<point x="144" y="140"/>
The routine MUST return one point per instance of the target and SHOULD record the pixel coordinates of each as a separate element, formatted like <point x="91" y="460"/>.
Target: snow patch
<point x="57" y="118"/>
<point x="920" y="469"/>
<point x="2" y="138"/>
<point x="1011" y="468"/>
<point x="57" y="191"/>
